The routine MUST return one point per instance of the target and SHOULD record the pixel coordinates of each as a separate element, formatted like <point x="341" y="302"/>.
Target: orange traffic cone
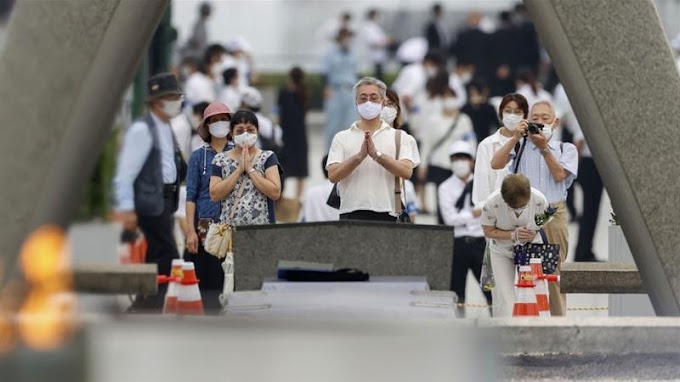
<point x="170" y="305"/>
<point x="541" y="287"/>
<point x="525" y="302"/>
<point x="189" y="300"/>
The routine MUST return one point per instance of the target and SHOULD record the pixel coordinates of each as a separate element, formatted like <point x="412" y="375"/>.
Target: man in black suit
<point x="436" y="32"/>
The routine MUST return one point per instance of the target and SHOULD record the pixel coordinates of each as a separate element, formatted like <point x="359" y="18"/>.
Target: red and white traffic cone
<point x="525" y="301"/>
<point x="541" y="287"/>
<point x="189" y="300"/>
<point x="170" y="305"/>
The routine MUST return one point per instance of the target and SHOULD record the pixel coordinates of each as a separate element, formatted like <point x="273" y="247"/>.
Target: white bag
<point x="228" y="268"/>
<point x="218" y="240"/>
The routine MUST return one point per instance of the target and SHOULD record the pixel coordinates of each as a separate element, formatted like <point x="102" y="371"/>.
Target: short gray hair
<point x="371" y="81"/>
<point x="545" y="103"/>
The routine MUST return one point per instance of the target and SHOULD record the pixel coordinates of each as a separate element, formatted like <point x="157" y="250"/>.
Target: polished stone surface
<point x="381" y="249"/>
<point x="600" y="278"/>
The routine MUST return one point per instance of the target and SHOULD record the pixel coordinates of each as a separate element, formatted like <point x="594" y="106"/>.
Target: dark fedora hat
<point x="162" y="84"/>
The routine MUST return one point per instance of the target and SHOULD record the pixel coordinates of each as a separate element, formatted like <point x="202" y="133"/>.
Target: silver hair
<point x="371" y="81"/>
<point x="546" y="103"/>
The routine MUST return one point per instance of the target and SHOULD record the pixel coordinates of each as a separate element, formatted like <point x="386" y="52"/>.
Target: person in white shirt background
<point x="271" y="135"/>
<point x="327" y="32"/>
<point x="531" y="89"/>
<point x="455" y="204"/>
<point x="437" y="124"/>
<point x="238" y="56"/>
<point x="231" y="92"/>
<point x="508" y="219"/>
<point x="199" y="87"/>
<point x="314" y="207"/>
<point x="376" y="42"/>
<point x="366" y="187"/>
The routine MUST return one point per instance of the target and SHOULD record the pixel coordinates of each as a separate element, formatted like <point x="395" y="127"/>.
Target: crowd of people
<point x="465" y="114"/>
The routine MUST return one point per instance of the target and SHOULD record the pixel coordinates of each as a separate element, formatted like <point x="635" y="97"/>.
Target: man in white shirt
<point x="458" y="211"/>
<point x="366" y="185"/>
<point x="314" y="207"/>
<point x="508" y="219"/>
<point x="199" y="87"/>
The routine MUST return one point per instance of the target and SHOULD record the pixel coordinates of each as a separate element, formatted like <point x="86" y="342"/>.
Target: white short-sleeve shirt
<point x="370" y="186"/>
<point x="497" y="213"/>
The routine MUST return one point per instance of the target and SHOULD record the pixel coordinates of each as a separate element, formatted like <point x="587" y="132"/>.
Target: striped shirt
<point x="532" y="164"/>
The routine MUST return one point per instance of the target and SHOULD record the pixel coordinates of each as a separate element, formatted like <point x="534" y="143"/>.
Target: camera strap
<point x="519" y="150"/>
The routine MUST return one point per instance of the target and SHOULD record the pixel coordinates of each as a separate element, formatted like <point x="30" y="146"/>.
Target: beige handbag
<point x="218" y="240"/>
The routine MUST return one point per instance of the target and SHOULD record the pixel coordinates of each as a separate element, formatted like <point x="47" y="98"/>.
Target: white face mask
<point x="369" y="110"/>
<point x="461" y="168"/>
<point x="430" y="71"/>
<point x="171" y="108"/>
<point x="388" y="114"/>
<point x="510" y="121"/>
<point x="451" y="103"/>
<point x="245" y="140"/>
<point x="548" y="130"/>
<point x="219" y="129"/>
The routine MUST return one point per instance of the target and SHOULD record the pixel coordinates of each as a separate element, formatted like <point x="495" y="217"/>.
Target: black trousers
<point x="468" y="253"/>
<point x="369" y="215"/>
<point x="438" y="175"/>
<point x="161" y="250"/>
<point x="210" y="278"/>
<point x="591" y="183"/>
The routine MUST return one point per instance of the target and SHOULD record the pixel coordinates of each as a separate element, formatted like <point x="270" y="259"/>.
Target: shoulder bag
<point x="218" y="240"/>
<point x="402" y="215"/>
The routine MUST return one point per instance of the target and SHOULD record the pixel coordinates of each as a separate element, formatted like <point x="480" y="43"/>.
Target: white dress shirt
<point x="497" y="213"/>
<point x="375" y="41"/>
<point x="370" y="186"/>
<point x="314" y="207"/>
<point x="488" y="180"/>
<point x="463" y="221"/>
<point x="231" y="96"/>
<point x="430" y="125"/>
<point x="136" y="147"/>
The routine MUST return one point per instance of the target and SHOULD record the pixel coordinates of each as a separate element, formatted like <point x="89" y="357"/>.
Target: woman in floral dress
<point x="246" y="180"/>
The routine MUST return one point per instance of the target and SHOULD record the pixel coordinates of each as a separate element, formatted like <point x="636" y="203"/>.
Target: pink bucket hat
<point x="214" y="108"/>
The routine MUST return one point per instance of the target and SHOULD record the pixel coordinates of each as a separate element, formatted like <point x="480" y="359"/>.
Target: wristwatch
<point x="378" y="155"/>
<point x="544" y="151"/>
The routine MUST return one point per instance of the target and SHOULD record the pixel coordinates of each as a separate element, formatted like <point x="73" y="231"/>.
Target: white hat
<point x="462" y="147"/>
<point x="251" y="97"/>
<point x="412" y="50"/>
<point x="675" y="42"/>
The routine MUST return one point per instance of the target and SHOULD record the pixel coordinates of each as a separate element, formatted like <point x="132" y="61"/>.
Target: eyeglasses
<point x="373" y="98"/>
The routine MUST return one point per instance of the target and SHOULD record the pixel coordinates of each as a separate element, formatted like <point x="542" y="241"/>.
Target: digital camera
<point x="535" y="128"/>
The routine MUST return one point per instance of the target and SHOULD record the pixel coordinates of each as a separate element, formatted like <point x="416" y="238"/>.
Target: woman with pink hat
<point x="214" y="129"/>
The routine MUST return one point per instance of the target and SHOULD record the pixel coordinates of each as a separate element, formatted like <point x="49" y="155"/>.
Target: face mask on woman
<point x="450" y="103"/>
<point x="510" y="121"/>
<point x="245" y="140"/>
<point x="219" y="129"/>
<point x="388" y="114"/>
<point x="461" y="168"/>
<point x="369" y="110"/>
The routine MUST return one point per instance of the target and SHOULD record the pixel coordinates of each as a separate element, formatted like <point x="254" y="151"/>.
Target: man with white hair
<point x="367" y="185"/>
<point x="455" y="204"/>
<point x="551" y="167"/>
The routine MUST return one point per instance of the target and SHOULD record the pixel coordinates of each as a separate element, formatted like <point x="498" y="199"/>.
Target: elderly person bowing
<point x="367" y="186"/>
<point x="508" y="218"/>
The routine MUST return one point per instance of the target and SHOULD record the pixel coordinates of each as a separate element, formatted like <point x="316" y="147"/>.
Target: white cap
<point x="177" y="262"/>
<point x="462" y="147"/>
<point x="251" y="97"/>
<point x="412" y="50"/>
<point x="675" y="42"/>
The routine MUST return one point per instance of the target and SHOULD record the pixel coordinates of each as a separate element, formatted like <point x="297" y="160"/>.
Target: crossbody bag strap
<point x="544" y="237"/>
<point x="397" y="180"/>
<point x="443" y="138"/>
